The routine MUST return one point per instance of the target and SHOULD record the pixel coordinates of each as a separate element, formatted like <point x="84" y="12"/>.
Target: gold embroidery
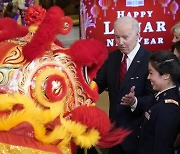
<point x="171" y="101"/>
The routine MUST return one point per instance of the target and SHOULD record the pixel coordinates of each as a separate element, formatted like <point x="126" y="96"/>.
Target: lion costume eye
<point x="55" y="88"/>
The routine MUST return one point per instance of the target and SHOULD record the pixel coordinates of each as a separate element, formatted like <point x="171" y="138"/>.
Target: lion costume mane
<point x="47" y="92"/>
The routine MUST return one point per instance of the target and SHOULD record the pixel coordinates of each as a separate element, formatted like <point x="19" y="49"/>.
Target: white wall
<point x="68" y="39"/>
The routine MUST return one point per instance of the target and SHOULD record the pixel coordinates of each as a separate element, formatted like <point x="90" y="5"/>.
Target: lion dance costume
<point x="47" y="92"/>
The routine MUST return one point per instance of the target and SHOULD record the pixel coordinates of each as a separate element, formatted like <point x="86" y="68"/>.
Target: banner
<point x="155" y="17"/>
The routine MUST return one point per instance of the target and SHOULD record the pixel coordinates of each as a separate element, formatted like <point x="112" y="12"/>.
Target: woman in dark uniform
<point x="176" y="50"/>
<point x="162" y="121"/>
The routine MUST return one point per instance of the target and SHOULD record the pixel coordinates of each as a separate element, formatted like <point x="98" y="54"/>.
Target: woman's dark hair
<point x="166" y="62"/>
<point x="9" y="12"/>
<point x="177" y="47"/>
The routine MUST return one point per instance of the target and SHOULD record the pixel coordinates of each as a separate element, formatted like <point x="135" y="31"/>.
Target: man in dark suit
<point x="130" y="98"/>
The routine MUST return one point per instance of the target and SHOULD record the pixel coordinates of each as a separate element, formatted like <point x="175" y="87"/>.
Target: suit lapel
<point x="114" y="68"/>
<point x="133" y="67"/>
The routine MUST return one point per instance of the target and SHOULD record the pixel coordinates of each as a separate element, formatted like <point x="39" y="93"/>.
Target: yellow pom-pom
<point x="93" y="85"/>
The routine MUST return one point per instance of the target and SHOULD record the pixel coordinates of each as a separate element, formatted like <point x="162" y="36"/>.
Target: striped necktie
<point x="123" y="68"/>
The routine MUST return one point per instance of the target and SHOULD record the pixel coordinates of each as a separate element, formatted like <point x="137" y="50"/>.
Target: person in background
<point x="12" y="11"/>
<point x="176" y="49"/>
<point x="162" y="120"/>
<point x="9" y="10"/>
<point x="175" y="30"/>
<point x="130" y="96"/>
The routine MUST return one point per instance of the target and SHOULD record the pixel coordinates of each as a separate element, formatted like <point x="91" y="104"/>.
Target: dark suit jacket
<point x="108" y="78"/>
<point x="161" y="125"/>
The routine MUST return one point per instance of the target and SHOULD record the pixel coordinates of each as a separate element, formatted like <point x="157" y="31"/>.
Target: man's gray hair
<point x="128" y="20"/>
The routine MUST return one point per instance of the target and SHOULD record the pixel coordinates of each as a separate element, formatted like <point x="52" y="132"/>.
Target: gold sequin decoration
<point x="12" y="149"/>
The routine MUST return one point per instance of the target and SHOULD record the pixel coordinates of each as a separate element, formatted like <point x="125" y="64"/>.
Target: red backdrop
<point x="156" y="17"/>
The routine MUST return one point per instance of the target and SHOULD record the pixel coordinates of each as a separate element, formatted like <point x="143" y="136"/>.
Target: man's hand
<point x="129" y="99"/>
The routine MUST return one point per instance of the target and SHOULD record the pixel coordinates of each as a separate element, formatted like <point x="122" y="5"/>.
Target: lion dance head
<point x="47" y="92"/>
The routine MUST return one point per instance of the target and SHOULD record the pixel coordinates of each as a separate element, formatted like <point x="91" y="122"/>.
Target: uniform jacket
<point x="161" y="125"/>
<point x="108" y="78"/>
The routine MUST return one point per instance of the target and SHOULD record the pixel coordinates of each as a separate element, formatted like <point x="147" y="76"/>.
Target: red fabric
<point x="96" y="118"/>
<point x="9" y="29"/>
<point x="45" y="34"/>
<point x="85" y="53"/>
<point x="9" y="138"/>
<point x="123" y="69"/>
<point x="34" y="15"/>
<point x="5" y="46"/>
<point x="114" y="137"/>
